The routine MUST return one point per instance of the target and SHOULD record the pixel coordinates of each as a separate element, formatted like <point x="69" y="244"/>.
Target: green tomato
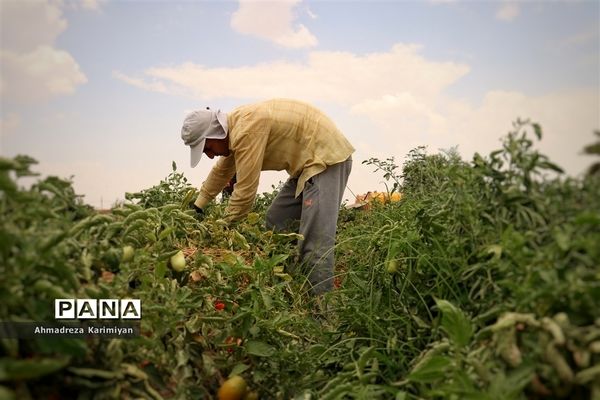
<point x="391" y="266"/>
<point x="178" y="261"/>
<point x="128" y="252"/>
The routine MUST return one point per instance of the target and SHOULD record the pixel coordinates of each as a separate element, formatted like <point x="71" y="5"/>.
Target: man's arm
<point x="249" y="154"/>
<point x="218" y="177"/>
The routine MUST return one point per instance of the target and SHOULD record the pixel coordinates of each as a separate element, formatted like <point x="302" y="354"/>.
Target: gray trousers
<point x="316" y="208"/>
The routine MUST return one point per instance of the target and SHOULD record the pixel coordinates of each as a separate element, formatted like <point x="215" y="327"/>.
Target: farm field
<point x="482" y="282"/>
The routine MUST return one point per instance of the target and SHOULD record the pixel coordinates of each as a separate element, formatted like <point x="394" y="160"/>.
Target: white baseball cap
<point x="201" y="125"/>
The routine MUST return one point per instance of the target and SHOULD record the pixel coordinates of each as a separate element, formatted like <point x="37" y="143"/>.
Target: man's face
<point x="216" y="147"/>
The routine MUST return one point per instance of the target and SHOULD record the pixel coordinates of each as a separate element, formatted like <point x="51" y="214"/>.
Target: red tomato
<point x="232" y="342"/>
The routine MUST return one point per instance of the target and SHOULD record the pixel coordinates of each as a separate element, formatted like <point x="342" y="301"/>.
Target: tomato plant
<point x="481" y="282"/>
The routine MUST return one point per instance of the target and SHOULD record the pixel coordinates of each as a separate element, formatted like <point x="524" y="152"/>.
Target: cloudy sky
<point x="98" y="90"/>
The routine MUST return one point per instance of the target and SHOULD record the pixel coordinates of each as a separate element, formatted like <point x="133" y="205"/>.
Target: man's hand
<point x="199" y="211"/>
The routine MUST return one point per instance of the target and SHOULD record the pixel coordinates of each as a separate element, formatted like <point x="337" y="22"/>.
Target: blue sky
<point x="98" y="89"/>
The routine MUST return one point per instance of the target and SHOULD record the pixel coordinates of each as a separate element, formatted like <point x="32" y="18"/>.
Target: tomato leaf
<point x="238" y="369"/>
<point x="455" y="323"/>
<point x="431" y="370"/>
<point x="260" y="349"/>
<point x="28" y="369"/>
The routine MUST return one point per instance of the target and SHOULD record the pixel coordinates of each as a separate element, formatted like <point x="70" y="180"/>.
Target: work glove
<point x="199" y="211"/>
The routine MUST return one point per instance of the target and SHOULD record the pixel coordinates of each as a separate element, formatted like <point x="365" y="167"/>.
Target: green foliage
<point x="593" y="150"/>
<point x="503" y="234"/>
<point x="264" y="200"/>
<point x="389" y="168"/>
<point x="481" y="283"/>
<point x="455" y="323"/>
<point x="174" y="189"/>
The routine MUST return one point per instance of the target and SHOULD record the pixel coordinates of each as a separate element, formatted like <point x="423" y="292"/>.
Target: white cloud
<point x="581" y="38"/>
<point x="508" y="11"/>
<point x="87" y="5"/>
<point x="93" y="5"/>
<point x="273" y="21"/>
<point x="401" y="95"/>
<point x="403" y="112"/>
<point x="32" y="68"/>
<point x="567" y="118"/>
<point x="29" y="24"/>
<point x="38" y="75"/>
<point x="154" y="86"/>
<point x="339" y="77"/>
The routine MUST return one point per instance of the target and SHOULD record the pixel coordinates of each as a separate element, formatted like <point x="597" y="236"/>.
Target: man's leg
<point x="285" y="208"/>
<point x="321" y="200"/>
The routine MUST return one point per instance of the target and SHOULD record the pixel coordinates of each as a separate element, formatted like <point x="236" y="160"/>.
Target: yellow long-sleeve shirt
<point x="277" y="134"/>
